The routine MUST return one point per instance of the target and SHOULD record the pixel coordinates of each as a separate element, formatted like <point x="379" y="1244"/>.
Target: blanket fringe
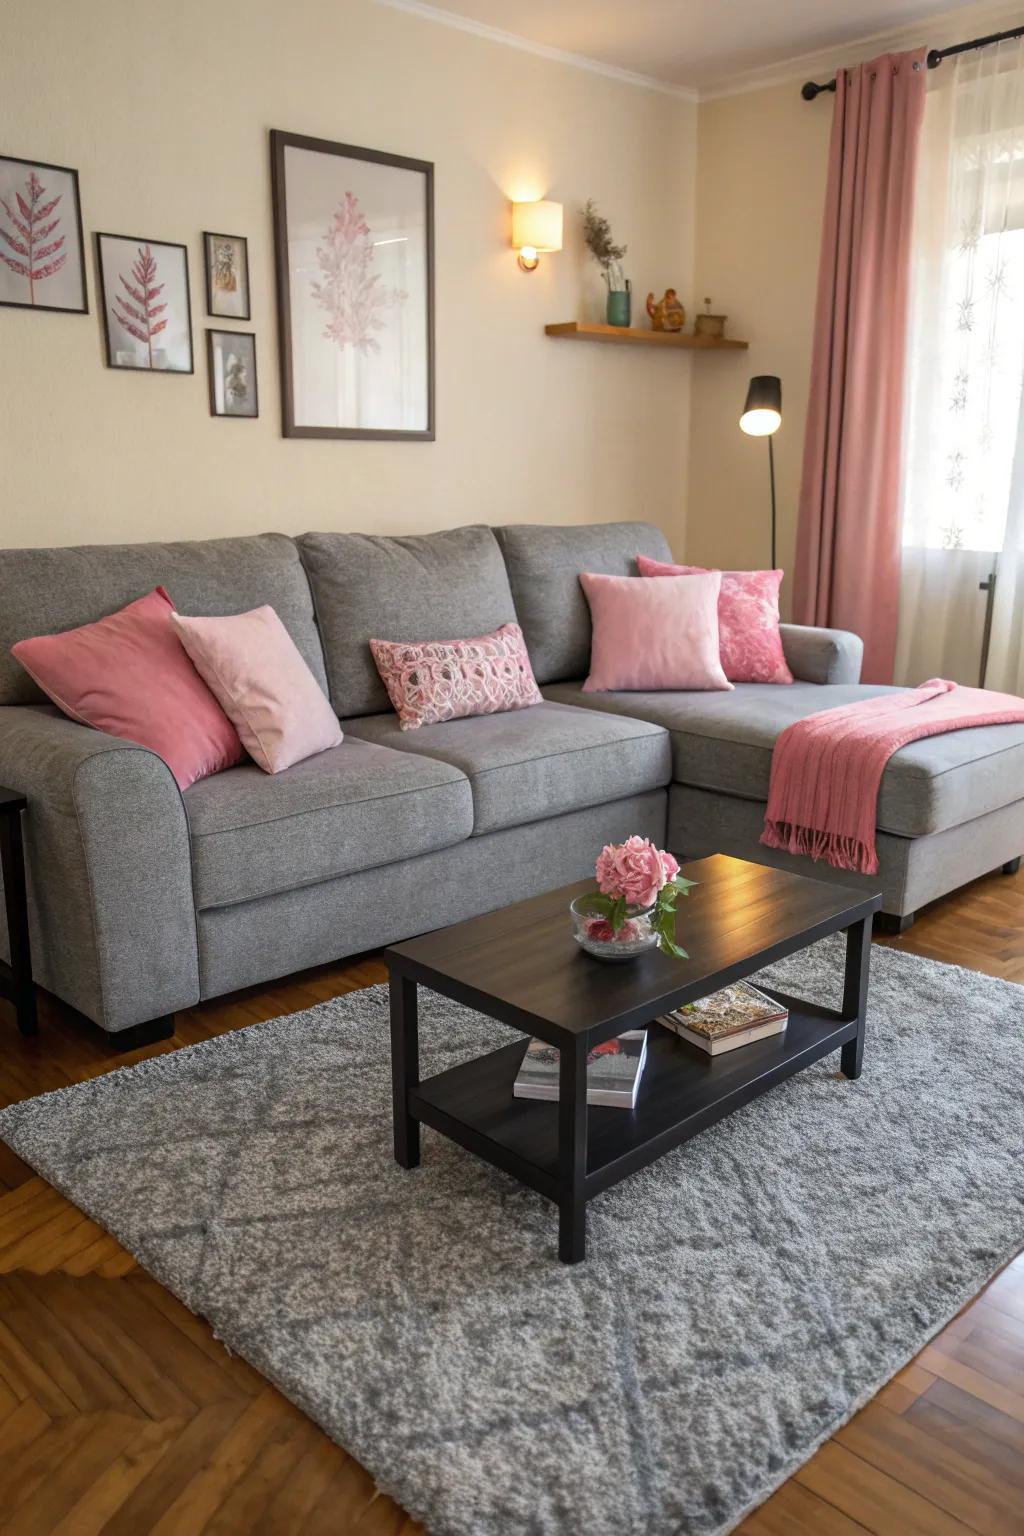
<point x="840" y="850"/>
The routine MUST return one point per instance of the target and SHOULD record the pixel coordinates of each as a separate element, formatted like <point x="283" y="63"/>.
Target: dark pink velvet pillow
<point x="129" y="675"/>
<point x="749" y="637"/>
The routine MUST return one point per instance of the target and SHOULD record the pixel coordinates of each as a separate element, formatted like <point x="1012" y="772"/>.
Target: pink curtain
<point x="848" y="540"/>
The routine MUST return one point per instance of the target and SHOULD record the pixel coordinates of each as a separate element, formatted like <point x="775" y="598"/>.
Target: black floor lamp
<point x="762" y="417"/>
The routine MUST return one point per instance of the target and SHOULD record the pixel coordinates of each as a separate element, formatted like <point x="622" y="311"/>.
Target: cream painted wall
<point x="762" y="160"/>
<point x="165" y="114"/>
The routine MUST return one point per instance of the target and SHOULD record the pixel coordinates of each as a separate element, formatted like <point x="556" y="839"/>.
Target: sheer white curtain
<point x="963" y="494"/>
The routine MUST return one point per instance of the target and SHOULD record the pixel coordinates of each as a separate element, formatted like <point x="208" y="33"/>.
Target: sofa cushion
<point x="352" y="807"/>
<point x="724" y="741"/>
<point x="46" y="590"/>
<point x="544" y="565"/>
<point x="535" y="762"/>
<point x="434" y="586"/>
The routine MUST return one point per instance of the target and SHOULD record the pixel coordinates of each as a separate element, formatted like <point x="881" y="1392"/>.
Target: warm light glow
<point x="536" y="227"/>
<point x="760" y="423"/>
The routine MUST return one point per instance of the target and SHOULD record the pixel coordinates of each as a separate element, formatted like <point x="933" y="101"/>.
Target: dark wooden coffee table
<point x="523" y="967"/>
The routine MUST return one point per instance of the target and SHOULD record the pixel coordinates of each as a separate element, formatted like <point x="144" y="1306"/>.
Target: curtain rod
<point x="935" y="58"/>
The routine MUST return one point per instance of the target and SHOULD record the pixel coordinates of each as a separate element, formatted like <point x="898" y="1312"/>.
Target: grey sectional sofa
<point x="144" y="901"/>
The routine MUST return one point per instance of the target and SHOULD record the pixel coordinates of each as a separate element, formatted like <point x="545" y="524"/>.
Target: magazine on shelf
<point x="614" y="1070"/>
<point x="733" y="1017"/>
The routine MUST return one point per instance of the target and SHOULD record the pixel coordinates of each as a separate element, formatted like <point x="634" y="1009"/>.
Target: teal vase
<point x="620" y="306"/>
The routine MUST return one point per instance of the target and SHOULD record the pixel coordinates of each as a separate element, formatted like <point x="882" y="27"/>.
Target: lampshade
<point x="762" y="414"/>
<point x="537" y="226"/>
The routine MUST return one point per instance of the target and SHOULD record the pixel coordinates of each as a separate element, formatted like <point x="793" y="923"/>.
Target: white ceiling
<point x="702" y="45"/>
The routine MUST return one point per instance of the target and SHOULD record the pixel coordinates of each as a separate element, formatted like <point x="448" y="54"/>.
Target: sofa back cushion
<point x="544" y="565"/>
<point x="434" y="586"/>
<point x="43" y="591"/>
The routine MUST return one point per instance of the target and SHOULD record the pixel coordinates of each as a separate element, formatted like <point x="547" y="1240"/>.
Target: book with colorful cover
<point x="614" y="1070"/>
<point x="734" y="1016"/>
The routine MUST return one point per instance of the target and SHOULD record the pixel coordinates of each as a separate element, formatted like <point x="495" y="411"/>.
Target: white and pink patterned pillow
<point x="749" y="638"/>
<point x="433" y="680"/>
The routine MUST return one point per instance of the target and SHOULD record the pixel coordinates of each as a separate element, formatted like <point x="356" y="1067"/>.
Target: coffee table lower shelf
<point x="682" y="1092"/>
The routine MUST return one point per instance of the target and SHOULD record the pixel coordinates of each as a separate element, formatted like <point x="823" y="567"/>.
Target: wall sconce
<point x="536" y="227"/>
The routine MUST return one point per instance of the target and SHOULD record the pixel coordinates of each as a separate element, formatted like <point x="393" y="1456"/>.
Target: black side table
<point x="16" y="978"/>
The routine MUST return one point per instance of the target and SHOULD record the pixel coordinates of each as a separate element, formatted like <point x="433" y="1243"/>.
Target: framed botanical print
<point x="354" y="249"/>
<point x="42" y="253"/>
<point x="231" y="356"/>
<point x="147" y="313"/>
<point x="226" y="259"/>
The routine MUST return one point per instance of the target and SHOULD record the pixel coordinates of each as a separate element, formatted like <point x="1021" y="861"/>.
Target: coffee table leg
<point x="572" y="1152"/>
<point x="405" y="1068"/>
<point x="855" y="993"/>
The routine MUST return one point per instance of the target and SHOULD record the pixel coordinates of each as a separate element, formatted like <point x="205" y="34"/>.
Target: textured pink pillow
<point x="436" y="680"/>
<point x="654" y="634"/>
<point x="128" y="675"/>
<point x="253" y="668"/>
<point x="749" y="637"/>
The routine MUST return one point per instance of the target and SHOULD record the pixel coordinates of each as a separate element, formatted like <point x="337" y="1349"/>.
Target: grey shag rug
<point x="740" y="1299"/>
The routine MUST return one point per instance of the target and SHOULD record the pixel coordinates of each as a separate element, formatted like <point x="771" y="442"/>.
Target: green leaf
<point x="617" y="915"/>
<point x="599" y="903"/>
<point x="665" y="926"/>
<point x="682" y="886"/>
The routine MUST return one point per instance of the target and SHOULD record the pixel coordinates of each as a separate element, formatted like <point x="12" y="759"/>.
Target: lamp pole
<point x="771" y="474"/>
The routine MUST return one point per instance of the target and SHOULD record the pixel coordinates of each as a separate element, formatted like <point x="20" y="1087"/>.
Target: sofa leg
<point x="146" y="1033"/>
<point x="1011" y="866"/>
<point x="894" y="922"/>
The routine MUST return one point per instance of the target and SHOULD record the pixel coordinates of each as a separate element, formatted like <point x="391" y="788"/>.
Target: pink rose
<point x="669" y="865"/>
<point x="634" y="869"/>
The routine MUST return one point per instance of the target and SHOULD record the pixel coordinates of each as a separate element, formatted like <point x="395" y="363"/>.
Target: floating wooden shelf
<point x="588" y="331"/>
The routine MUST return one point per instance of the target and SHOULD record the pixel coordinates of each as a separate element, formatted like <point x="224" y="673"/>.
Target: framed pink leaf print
<point x="354" y="248"/>
<point x="144" y="293"/>
<point x="42" y="254"/>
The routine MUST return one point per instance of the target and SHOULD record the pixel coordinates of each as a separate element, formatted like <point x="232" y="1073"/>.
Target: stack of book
<point x="614" y="1070"/>
<point x="735" y="1016"/>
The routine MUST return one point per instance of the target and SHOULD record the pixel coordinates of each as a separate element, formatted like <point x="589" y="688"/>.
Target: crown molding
<point x="940" y="28"/>
<point x="540" y="50"/>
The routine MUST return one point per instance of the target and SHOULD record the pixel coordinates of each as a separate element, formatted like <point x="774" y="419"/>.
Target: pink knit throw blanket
<point x="827" y="769"/>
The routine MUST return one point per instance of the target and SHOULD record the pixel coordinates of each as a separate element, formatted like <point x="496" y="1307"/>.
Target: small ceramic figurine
<point x="668" y="314"/>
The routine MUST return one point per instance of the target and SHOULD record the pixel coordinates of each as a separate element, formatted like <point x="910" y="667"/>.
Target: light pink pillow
<point x="749" y="637"/>
<point x="128" y="675"/>
<point x="654" y="634"/>
<point x="436" y="680"/>
<point x="253" y="668"/>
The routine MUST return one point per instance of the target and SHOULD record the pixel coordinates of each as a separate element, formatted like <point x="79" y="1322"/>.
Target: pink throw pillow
<point x="654" y="634"/>
<point x="435" y="680"/>
<point x="253" y="668"/>
<point x="127" y="675"/>
<point x="748" y="620"/>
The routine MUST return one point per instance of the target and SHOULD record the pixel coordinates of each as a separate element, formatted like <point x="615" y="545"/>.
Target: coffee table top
<point x="522" y="965"/>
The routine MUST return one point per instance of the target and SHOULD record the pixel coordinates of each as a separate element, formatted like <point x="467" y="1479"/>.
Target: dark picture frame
<point x="14" y="223"/>
<point x="209" y="264"/>
<point x="219" y="407"/>
<point x="359" y="342"/>
<point x="171" y="307"/>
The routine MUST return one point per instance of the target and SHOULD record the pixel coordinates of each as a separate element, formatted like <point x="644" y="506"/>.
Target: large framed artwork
<point x="147" y="311"/>
<point x="354" y="249"/>
<point x="42" y="253"/>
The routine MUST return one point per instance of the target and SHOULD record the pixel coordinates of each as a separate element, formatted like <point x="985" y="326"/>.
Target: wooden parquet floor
<point x="120" y="1412"/>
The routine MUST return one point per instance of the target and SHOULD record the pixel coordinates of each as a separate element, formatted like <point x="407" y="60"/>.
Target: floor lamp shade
<point x="762" y="414"/>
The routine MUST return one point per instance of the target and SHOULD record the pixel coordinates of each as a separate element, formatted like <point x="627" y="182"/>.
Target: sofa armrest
<point x="111" y="915"/>
<point x="822" y="655"/>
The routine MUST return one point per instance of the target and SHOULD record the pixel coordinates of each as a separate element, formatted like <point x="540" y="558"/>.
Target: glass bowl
<point x="593" y="932"/>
